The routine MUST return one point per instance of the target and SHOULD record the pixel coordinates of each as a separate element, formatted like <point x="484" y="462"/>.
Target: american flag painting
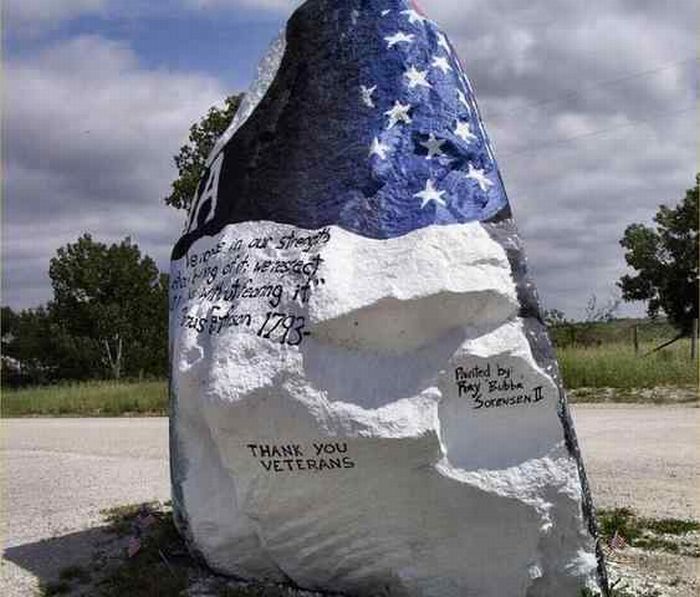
<point x="364" y="398"/>
<point x="381" y="134"/>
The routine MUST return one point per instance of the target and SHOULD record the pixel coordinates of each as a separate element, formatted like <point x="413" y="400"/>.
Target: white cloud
<point x="90" y="137"/>
<point x="45" y="12"/>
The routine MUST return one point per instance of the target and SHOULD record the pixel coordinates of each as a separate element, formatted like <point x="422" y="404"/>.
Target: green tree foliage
<point x="108" y="319"/>
<point x="38" y="350"/>
<point x="110" y="302"/>
<point x="192" y="157"/>
<point x="24" y="339"/>
<point x="666" y="262"/>
<point x="554" y="317"/>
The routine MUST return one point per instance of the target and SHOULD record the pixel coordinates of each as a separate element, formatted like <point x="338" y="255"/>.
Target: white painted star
<point x="434" y="146"/>
<point x="413" y="16"/>
<point x="417" y="78"/>
<point x="463" y="100"/>
<point x="399" y="113"/>
<point x="478" y="175"/>
<point x="385" y="12"/>
<point x="441" y="63"/>
<point x="378" y="148"/>
<point x="354" y="15"/>
<point x="398" y="38"/>
<point x="464" y="130"/>
<point x="367" y="93"/>
<point x="430" y="193"/>
<point x="443" y="43"/>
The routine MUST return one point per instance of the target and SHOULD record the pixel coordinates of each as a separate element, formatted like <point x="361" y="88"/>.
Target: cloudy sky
<point x="591" y="107"/>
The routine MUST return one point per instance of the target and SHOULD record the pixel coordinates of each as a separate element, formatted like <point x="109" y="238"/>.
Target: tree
<point x="553" y="317"/>
<point x="596" y="313"/>
<point x="9" y="323"/>
<point x="110" y="307"/>
<point x="191" y="159"/>
<point x="32" y="352"/>
<point x="666" y="261"/>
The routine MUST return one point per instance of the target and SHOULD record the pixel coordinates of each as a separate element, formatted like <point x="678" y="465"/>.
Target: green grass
<point x="152" y="572"/>
<point x="611" y="332"/>
<point x="121" y="518"/>
<point x="617" y="366"/>
<point x="654" y="534"/>
<point x="93" y="399"/>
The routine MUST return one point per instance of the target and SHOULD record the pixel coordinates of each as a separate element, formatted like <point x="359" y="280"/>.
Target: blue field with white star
<point x="371" y="124"/>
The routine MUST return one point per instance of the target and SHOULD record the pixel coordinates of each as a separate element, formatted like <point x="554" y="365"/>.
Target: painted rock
<point x="364" y="397"/>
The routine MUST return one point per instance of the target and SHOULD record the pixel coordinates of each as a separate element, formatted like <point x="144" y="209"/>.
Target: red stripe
<point x="417" y="8"/>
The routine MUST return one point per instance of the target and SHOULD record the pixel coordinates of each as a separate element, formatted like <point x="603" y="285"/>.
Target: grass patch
<point x="121" y="519"/>
<point x="162" y="567"/>
<point x="149" y="572"/>
<point x="611" y="332"/>
<point x="617" y="366"/>
<point x="672" y="526"/>
<point x="90" y="399"/>
<point x="152" y="572"/>
<point x="653" y="534"/>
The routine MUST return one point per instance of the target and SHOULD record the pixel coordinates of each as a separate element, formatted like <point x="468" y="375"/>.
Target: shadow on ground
<point x="61" y="559"/>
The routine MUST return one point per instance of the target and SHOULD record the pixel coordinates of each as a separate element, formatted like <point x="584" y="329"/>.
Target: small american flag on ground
<point x="617" y="541"/>
<point x="145" y="521"/>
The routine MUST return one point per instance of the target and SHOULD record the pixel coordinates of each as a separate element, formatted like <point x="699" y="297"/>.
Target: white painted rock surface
<point x="364" y="399"/>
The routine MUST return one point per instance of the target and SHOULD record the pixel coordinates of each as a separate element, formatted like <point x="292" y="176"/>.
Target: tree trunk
<point x="115" y="362"/>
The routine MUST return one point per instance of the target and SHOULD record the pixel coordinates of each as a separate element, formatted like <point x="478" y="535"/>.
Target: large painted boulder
<point x="364" y="397"/>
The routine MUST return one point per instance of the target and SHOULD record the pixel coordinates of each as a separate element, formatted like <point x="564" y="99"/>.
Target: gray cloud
<point x="591" y="110"/>
<point x="90" y="136"/>
<point x="582" y="100"/>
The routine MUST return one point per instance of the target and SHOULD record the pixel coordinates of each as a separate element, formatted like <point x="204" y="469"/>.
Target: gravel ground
<point x="644" y="457"/>
<point x="58" y="474"/>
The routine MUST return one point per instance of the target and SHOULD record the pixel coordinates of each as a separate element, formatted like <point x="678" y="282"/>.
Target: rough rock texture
<point x="364" y="398"/>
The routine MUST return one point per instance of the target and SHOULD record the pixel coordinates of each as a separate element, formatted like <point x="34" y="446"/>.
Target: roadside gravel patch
<point x="643" y="457"/>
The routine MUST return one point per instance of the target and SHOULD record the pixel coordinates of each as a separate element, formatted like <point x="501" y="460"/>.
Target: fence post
<point x="694" y="340"/>
<point x="635" y="338"/>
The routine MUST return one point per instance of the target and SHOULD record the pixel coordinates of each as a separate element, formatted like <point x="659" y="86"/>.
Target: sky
<point x="591" y="107"/>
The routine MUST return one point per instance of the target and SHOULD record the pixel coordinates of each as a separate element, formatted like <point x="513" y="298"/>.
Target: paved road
<point x="59" y="473"/>
<point x="57" y="476"/>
